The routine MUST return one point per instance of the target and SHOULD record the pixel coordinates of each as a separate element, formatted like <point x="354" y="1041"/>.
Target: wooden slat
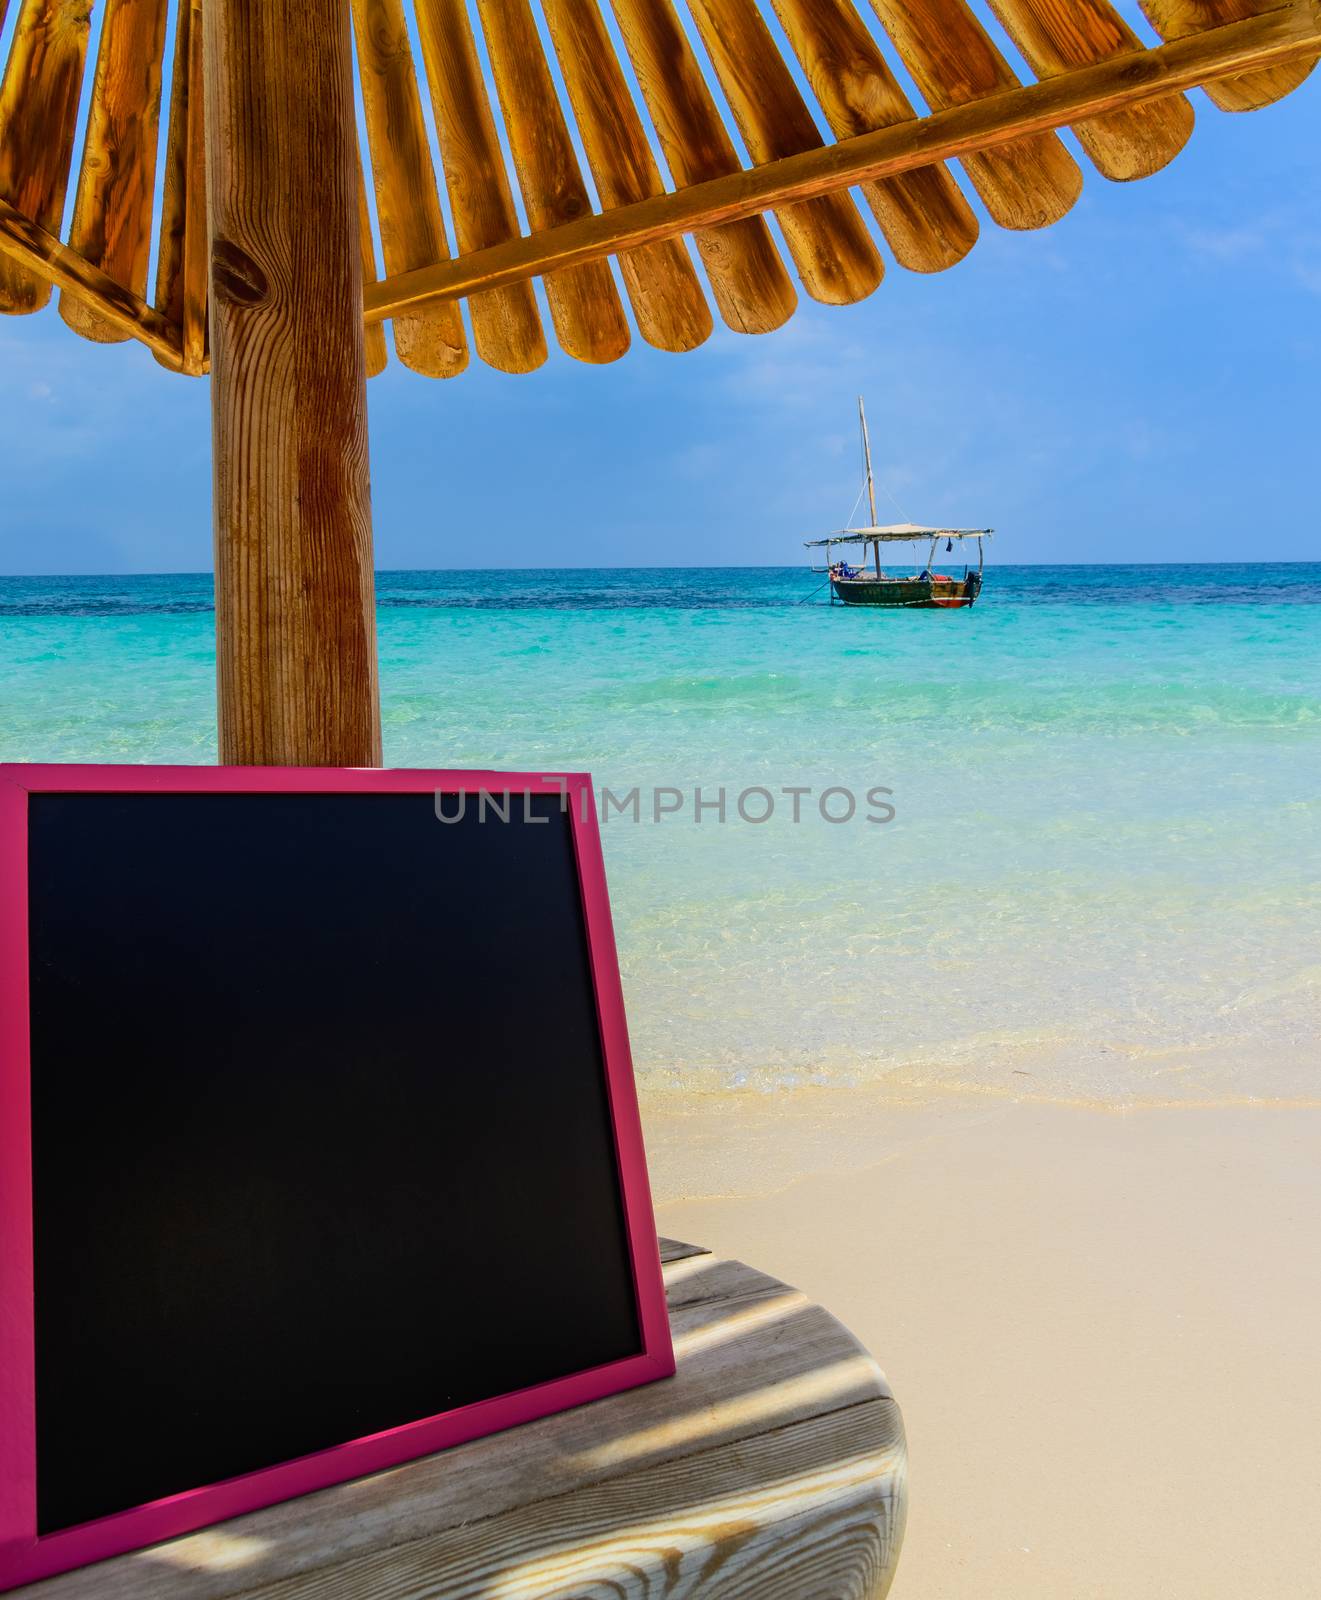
<point x="181" y="260"/>
<point x="667" y="299"/>
<point x="584" y="304"/>
<point x="407" y="205"/>
<point x="677" y="1250"/>
<point x="174" y="192"/>
<point x="1176" y="19"/>
<point x="1257" y="43"/>
<point x="38" y="113"/>
<point x="770" y="1391"/>
<point x="1059" y="35"/>
<point x="923" y="214"/>
<point x="506" y="328"/>
<point x="374" y="349"/>
<point x="751" y="287"/>
<point x="41" y="254"/>
<point x="196" y="255"/>
<point x="112" y="212"/>
<point x="704" y="1290"/>
<point x="831" y="248"/>
<point x="1028" y="183"/>
<point x="813" y="1512"/>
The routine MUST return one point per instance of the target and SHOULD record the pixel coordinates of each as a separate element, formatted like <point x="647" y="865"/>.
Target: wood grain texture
<point x="1058" y="35"/>
<point x="806" y="1514"/>
<point x="831" y="247"/>
<point x="667" y="299"/>
<point x="1249" y="91"/>
<point x="923" y="214"/>
<point x="677" y="1250"/>
<point x="1028" y="183"/>
<point x="1265" y="41"/>
<point x="38" y="113"/>
<point x="41" y="254"/>
<point x="295" y="619"/>
<point x="771" y="1467"/>
<point x="181" y="262"/>
<point x="112" y="212"/>
<point x="751" y="288"/>
<point x="407" y="204"/>
<point x="506" y="327"/>
<point x="374" y="352"/>
<point x="196" y="237"/>
<point x="584" y="304"/>
<point x="174" y="187"/>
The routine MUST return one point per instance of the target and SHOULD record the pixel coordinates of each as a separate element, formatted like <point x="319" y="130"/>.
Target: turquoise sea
<point x="1102" y="879"/>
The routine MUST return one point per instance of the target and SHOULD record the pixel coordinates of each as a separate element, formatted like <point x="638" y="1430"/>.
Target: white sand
<point x="1104" y="1328"/>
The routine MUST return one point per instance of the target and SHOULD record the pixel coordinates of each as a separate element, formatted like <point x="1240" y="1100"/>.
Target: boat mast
<point x="871" y="490"/>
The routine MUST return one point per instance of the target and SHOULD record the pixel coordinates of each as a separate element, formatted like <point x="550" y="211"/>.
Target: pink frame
<point x="23" y="1555"/>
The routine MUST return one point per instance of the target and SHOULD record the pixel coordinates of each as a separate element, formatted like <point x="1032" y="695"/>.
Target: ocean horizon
<point x="1101" y="878"/>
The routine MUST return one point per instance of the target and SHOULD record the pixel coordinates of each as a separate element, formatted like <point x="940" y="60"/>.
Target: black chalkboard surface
<point x="323" y="1140"/>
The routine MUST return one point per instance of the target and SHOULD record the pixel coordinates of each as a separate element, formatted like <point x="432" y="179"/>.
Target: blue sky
<point x="1141" y="381"/>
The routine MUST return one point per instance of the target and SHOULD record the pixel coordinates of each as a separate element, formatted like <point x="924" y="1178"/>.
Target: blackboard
<point x="332" y="1135"/>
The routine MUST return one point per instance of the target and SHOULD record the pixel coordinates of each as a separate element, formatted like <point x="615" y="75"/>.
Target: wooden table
<point x="771" y="1467"/>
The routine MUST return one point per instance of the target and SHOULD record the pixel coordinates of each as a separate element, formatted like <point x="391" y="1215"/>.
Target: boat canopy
<point x="897" y="530"/>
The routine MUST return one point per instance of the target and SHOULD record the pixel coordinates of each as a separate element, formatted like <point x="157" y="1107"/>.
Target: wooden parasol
<point x="267" y="268"/>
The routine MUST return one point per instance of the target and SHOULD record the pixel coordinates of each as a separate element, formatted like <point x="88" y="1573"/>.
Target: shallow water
<point x="1103" y="875"/>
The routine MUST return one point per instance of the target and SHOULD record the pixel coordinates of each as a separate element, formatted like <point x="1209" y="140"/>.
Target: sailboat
<point x="924" y="586"/>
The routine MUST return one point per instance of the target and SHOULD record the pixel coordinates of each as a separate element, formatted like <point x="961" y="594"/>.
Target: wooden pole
<point x="866" y="456"/>
<point x="871" y="491"/>
<point x="295" y="619"/>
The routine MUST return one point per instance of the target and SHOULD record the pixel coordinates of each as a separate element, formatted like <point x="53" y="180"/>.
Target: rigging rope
<point x="903" y="515"/>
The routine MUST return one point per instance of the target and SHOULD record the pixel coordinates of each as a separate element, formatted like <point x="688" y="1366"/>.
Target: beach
<point x="1014" y="1067"/>
<point x="1101" y="1325"/>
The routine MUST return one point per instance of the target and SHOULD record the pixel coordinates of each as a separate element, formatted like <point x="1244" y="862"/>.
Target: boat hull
<point x="943" y="593"/>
